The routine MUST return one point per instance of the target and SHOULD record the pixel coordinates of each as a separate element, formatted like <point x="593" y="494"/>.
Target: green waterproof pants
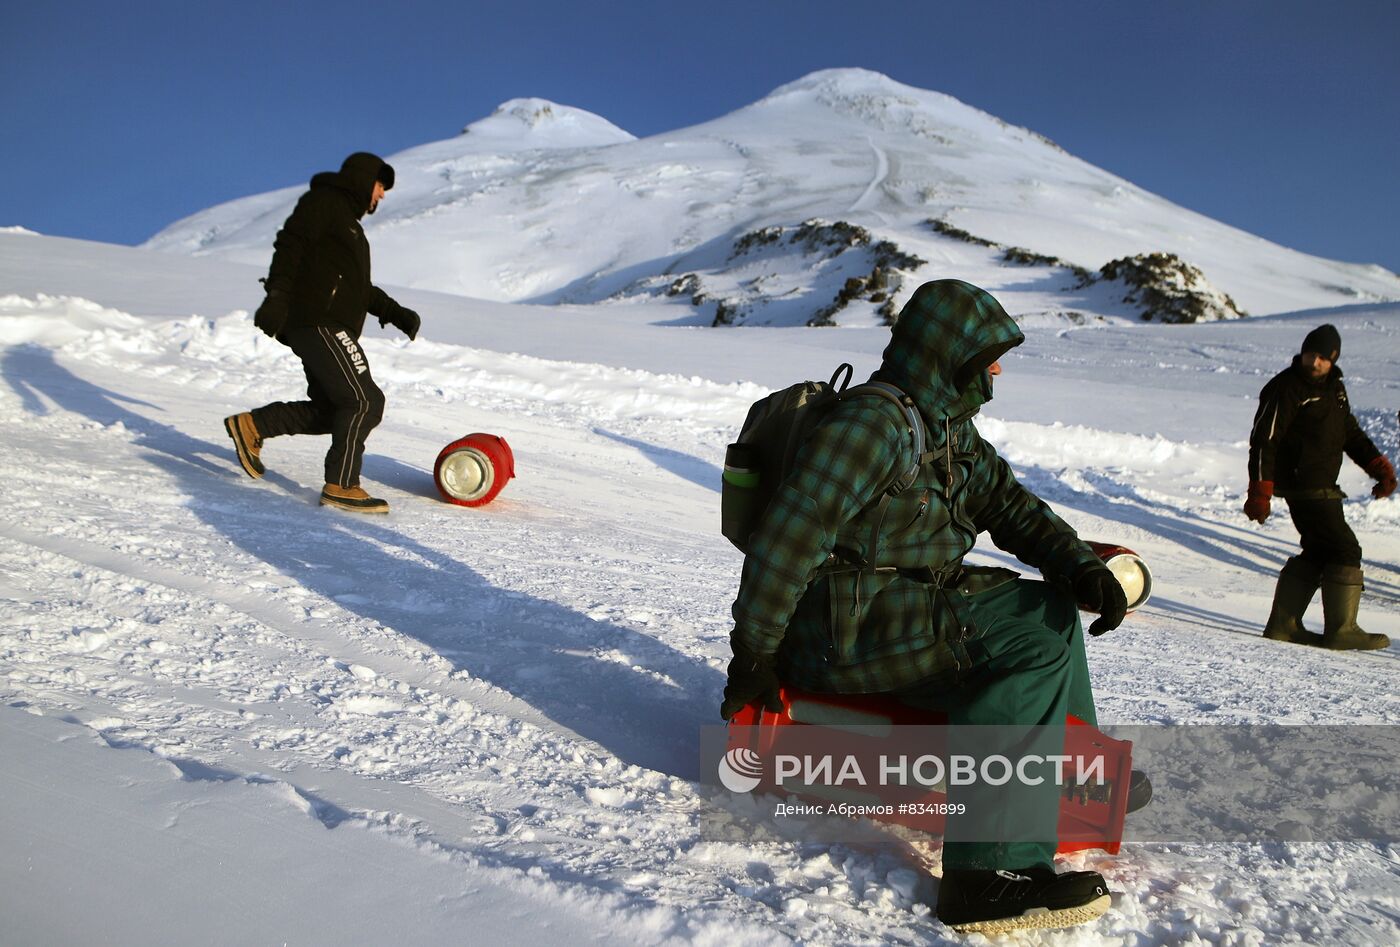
<point x="1028" y="671"/>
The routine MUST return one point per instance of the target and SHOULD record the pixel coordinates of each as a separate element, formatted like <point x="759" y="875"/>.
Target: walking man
<point x="843" y="592"/>
<point x="1303" y="426"/>
<point x="318" y="293"/>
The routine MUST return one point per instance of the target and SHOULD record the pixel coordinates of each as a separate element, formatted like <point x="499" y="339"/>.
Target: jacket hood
<point x="946" y="336"/>
<point x="356" y="177"/>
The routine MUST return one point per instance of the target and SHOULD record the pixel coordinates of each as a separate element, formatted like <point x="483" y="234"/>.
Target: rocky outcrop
<point x="1166" y="288"/>
<point x="1015" y="256"/>
<point x="1162" y="286"/>
<point x="766" y="267"/>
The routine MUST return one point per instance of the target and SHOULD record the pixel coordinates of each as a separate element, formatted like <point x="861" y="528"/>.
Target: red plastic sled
<point x="1085" y="823"/>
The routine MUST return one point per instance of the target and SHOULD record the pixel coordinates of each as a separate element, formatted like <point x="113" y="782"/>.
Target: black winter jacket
<point x="1300" y="432"/>
<point x="321" y="256"/>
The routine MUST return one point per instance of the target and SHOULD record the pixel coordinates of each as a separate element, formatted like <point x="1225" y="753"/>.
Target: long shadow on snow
<point x="1182" y="612"/>
<point x="1224" y="542"/>
<point x="1227" y="543"/>
<point x="697" y="471"/>
<point x="549" y="656"/>
<point x="601" y="285"/>
<point x="399" y="475"/>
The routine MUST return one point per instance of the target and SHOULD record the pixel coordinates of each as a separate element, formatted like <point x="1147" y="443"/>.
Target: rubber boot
<point x="1297" y="582"/>
<point x="1341" y="597"/>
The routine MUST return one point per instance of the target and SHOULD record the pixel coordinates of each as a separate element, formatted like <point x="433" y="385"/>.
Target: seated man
<point x="839" y="596"/>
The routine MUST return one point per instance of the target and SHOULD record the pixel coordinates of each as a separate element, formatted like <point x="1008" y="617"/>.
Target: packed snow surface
<point x="231" y="716"/>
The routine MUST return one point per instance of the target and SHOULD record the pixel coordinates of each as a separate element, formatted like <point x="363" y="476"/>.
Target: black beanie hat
<point x="362" y="169"/>
<point x="1325" y="341"/>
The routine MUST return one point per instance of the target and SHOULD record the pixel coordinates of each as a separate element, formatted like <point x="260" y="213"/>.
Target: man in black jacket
<point x="318" y="293"/>
<point x="1303" y="426"/>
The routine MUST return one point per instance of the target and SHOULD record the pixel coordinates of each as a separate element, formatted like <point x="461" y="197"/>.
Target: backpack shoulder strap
<point x="914" y="421"/>
<point x="903" y="479"/>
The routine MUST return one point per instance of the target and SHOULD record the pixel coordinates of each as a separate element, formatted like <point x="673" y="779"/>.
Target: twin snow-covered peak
<point x="544" y="202"/>
<point x="848" y="95"/>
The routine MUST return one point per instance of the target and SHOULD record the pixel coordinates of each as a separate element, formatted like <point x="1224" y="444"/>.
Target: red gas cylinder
<point x="472" y="470"/>
<point x="1129" y="569"/>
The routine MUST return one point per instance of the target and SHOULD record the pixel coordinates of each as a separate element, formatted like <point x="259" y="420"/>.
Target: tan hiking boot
<point x="247" y="442"/>
<point x="354" y="499"/>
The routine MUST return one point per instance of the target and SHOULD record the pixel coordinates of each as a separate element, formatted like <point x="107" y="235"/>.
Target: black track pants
<point x="1326" y="538"/>
<point x="344" y="400"/>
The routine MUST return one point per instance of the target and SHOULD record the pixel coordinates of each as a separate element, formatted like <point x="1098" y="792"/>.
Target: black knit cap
<point x="1325" y="341"/>
<point x="363" y="168"/>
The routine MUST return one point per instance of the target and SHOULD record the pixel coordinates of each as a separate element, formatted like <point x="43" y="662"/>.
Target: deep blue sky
<point x="1282" y="118"/>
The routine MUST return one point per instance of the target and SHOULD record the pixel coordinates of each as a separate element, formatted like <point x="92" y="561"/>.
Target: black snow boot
<point x="1341" y="597"/>
<point x="993" y="902"/>
<point x="1297" y="583"/>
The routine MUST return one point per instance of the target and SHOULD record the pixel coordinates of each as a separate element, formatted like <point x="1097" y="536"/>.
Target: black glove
<point x="271" y="316"/>
<point x="403" y="319"/>
<point x="1097" y="590"/>
<point x="751" y="677"/>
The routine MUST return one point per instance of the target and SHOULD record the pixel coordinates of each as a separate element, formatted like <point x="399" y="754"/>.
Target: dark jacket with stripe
<point x="1301" y="430"/>
<point x="321" y="257"/>
<point x="875" y="631"/>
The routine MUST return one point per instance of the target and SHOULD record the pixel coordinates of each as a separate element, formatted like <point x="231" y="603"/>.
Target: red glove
<point x="1256" y="507"/>
<point x="1384" y="474"/>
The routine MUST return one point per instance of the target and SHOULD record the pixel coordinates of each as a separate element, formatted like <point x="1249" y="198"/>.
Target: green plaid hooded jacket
<point x="870" y="631"/>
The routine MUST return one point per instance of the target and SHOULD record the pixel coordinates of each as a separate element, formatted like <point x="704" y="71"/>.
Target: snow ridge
<point x="545" y="203"/>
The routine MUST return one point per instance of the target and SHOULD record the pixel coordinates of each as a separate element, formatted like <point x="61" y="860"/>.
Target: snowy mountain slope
<point x="555" y="210"/>
<point x="490" y="717"/>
